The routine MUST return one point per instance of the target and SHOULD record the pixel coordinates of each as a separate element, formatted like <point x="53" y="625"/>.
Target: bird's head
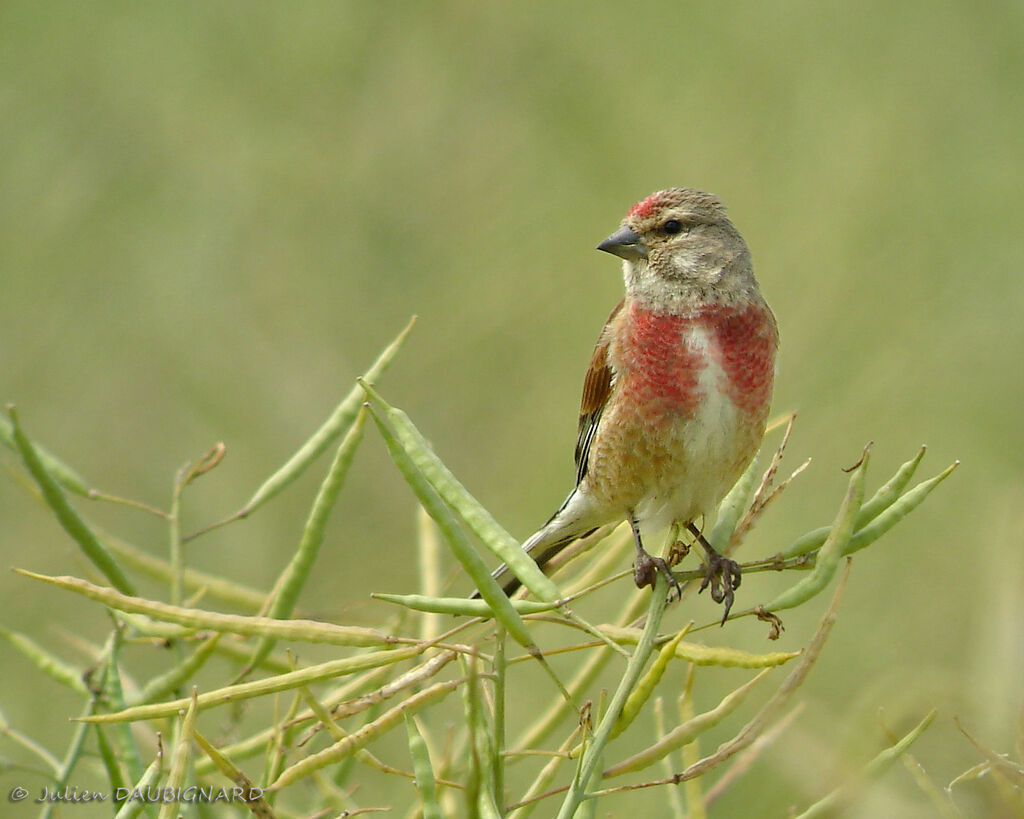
<point x="679" y="241"/>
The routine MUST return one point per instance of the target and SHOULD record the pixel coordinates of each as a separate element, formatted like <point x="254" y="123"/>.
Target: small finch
<point x="678" y="390"/>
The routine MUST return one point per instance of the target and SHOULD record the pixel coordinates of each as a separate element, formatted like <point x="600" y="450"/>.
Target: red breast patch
<point x="745" y="350"/>
<point x="663" y="370"/>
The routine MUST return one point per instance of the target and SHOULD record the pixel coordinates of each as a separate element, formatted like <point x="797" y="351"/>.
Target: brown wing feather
<point x="597" y="386"/>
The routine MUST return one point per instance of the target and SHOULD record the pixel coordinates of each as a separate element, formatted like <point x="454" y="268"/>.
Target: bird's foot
<point x="646" y="569"/>
<point x="646" y="566"/>
<point x="723" y="577"/>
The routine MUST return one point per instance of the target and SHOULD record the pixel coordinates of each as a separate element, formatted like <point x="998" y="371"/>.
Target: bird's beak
<point x="625" y="244"/>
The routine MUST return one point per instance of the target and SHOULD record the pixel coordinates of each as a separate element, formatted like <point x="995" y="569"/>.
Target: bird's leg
<point x="722" y="575"/>
<point x="646" y="565"/>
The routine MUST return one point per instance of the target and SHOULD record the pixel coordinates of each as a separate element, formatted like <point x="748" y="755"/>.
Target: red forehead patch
<point x="645" y="207"/>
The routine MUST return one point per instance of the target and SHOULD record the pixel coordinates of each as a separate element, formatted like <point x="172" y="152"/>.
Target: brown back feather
<point x="597" y="386"/>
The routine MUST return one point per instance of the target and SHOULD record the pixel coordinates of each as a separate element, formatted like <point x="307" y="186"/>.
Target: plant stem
<point x="644" y="649"/>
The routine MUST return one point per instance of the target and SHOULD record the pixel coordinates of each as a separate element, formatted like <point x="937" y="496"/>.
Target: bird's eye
<point x="671" y="227"/>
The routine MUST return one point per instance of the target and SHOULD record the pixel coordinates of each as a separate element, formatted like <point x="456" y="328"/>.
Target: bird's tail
<point x="543" y="545"/>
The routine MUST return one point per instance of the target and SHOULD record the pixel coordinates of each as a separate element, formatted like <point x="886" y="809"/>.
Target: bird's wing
<point x="597" y="386"/>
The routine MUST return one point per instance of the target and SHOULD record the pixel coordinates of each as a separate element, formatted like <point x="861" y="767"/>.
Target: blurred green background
<point x="213" y="215"/>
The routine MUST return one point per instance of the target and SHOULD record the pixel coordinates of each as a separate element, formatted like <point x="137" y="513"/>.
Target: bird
<point x="678" y="389"/>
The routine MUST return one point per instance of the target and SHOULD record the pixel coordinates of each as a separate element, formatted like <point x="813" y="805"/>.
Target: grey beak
<point x="625" y="244"/>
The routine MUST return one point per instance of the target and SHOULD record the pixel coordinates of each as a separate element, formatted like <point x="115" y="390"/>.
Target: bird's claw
<point x="647" y="567"/>
<point x="723" y="578"/>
